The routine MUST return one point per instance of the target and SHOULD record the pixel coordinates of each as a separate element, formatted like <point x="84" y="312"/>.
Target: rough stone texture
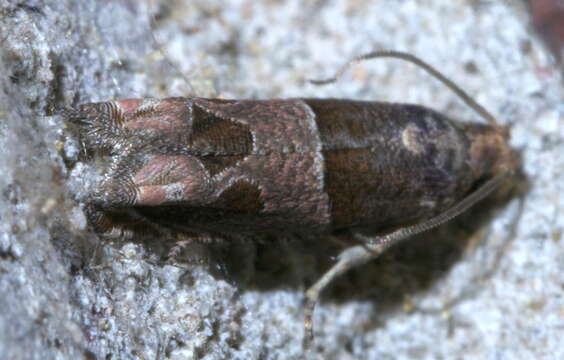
<point x="486" y="286"/>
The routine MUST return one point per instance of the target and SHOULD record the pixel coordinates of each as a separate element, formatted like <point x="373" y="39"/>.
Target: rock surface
<point x="487" y="286"/>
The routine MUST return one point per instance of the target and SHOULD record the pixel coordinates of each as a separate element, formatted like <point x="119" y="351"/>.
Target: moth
<point x="370" y="173"/>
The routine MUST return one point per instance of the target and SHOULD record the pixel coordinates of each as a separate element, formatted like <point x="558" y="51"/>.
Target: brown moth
<point x="380" y="172"/>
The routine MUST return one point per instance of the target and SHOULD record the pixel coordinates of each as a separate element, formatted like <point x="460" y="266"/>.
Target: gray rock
<point x="487" y="286"/>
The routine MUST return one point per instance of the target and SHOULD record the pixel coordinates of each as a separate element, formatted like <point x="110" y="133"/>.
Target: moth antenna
<point x="163" y="52"/>
<point x="483" y="191"/>
<point x="467" y="99"/>
<point x="373" y="247"/>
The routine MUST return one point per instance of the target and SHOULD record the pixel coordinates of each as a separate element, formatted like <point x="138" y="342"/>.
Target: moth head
<point x="490" y="152"/>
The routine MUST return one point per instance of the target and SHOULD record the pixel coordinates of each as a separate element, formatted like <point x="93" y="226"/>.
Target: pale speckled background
<point x="484" y="287"/>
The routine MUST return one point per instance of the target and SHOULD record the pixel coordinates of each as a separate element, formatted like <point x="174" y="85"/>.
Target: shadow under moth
<point x="379" y="172"/>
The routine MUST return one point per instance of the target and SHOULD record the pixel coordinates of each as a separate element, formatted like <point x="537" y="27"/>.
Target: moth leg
<point x="122" y="223"/>
<point x="185" y="239"/>
<point x="189" y="251"/>
<point x="351" y="257"/>
<point x="373" y="247"/>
